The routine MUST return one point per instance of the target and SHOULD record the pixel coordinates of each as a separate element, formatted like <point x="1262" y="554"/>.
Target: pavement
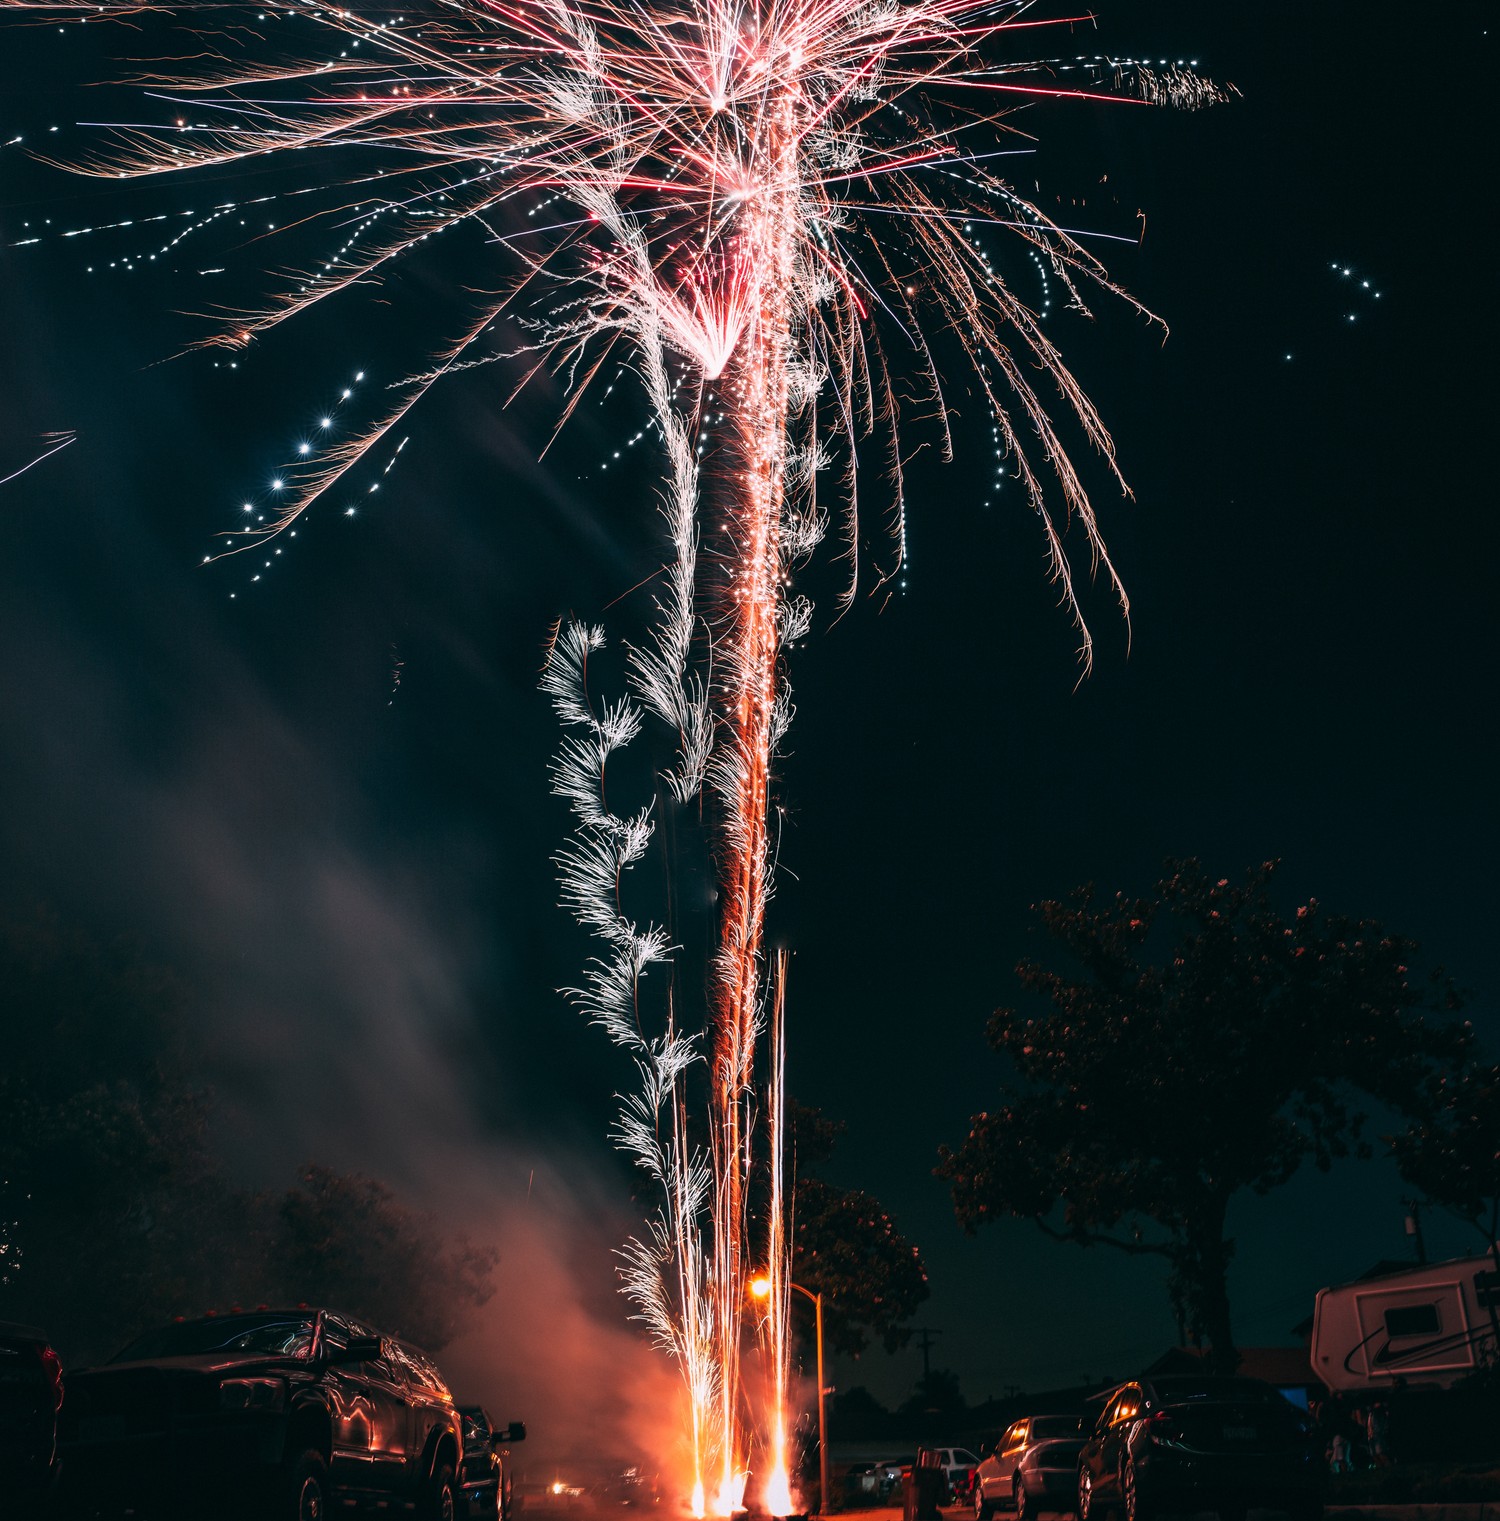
<point x="1482" y="1510"/>
<point x="582" y="1507"/>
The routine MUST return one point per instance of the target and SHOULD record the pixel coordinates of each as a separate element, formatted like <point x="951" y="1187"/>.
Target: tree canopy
<point x="346" y="1241"/>
<point x="102" y="1156"/>
<point x="847" y="1248"/>
<point x="114" y="1215"/>
<point x="1197" y="1042"/>
<point x="1451" y="1149"/>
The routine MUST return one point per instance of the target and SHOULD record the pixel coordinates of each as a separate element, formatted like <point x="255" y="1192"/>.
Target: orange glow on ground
<point x="731" y="1495"/>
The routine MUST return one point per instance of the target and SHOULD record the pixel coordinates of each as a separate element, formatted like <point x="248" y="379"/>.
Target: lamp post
<point x="761" y="1288"/>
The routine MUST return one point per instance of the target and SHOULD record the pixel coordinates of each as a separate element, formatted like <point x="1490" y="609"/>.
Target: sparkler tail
<point x="777" y="1498"/>
<point x="55" y="442"/>
<point x="754" y="196"/>
<point x="666" y="1273"/>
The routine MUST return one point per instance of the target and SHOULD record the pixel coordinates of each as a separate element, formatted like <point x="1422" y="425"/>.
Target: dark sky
<point x="323" y="795"/>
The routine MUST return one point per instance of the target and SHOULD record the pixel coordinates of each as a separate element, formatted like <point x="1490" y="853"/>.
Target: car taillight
<point x="1163" y="1427"/>
<point x="52" y="1366"/>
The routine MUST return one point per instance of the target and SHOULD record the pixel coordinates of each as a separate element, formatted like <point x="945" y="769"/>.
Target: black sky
<point x="354" y="870"/>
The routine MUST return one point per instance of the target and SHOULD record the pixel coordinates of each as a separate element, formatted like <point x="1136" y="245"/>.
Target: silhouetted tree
<point x="101" y="1136"/>
<point x="1451" y="1149"/>
<point x="345" y="1241"/>
<point x="1199" y="1043"/>
<point x="847" y="1248"/>
<point x="113" y="1214"/>
<point x="937" y="1397"/>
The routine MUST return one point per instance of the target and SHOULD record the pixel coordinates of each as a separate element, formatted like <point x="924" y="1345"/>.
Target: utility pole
<point x="1414" y="1226"/>
<point x="927" y="1333"/>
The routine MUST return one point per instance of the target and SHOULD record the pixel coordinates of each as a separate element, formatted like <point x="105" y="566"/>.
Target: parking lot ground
<point x="1483" y="1510"/>
<point x="1472" y="1510"/>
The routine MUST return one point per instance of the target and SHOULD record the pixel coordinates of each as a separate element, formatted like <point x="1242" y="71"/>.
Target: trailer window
<point x="1412" y="1320"/>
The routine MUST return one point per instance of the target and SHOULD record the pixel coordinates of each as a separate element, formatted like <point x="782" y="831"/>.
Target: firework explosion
<point x="742" y="195"/>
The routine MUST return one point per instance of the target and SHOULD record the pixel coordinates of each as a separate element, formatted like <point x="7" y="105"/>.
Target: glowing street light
<point x="761" y="1289"/>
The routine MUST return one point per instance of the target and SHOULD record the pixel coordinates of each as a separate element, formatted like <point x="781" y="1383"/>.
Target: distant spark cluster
<point x="1358" y="297"/>
<point x="250" y="535"/>
<point x="1359" y="289"/>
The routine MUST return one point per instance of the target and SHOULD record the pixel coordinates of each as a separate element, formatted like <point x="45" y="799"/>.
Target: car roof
<point x="1170" y="1383"/>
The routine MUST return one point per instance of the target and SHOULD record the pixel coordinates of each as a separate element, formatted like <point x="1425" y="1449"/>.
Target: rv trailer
<point x="1426" y="1325"/>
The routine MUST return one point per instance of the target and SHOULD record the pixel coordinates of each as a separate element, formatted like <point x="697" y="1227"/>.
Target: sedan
<point x="1186" y="1444"/>
<point x="1033" y="1467"/>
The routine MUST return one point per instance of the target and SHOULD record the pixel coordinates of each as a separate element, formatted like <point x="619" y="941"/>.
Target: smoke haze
<point x="370" y="990"/>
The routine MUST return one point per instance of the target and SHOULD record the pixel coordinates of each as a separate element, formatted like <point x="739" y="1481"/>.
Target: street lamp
<point x="761" y="1288"/>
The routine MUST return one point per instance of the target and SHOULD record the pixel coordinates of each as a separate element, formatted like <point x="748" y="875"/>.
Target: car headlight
<point x="252" y="1394"/>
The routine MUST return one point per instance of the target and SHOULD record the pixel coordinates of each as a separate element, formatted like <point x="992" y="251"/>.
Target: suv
<point x="1206" y="1443"/>
<point x="31" y="1393"/>
<point x="280" y="1410"/>
<point x="958" y="1465"/>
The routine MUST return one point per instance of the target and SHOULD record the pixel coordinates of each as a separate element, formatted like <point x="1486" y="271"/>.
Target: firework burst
<point x="745" y="200"/>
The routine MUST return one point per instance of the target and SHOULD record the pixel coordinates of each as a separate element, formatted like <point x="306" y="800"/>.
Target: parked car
<point x="889" y="1472"/>
<point x="859" y="1482"/>
<point x="958" y="1465"/>
<point x="31" y="1394"/>
<point x="280" y="1410"/>
<point x="1034" y="1466"/>
<point x="485" y="1480"/>
<point x="1184" y="1444"/>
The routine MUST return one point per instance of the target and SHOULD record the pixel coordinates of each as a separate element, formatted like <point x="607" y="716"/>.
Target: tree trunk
<point x="1201" y="1284"/>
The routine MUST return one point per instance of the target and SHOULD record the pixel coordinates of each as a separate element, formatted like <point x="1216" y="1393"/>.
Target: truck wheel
<point x="307" y="1488"/>
<point x="438" y="1502"/>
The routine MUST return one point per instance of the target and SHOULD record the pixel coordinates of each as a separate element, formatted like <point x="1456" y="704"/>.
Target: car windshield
<point x="275" y="1334"/>
<point x="1206" y="1391"/>
<point x="1050" y="1428"/>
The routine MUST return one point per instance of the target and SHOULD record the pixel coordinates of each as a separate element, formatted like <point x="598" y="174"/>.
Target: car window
<point x="405" y="1365"/>
<point x="1016" y="1436"/>
<point x="1128" y="1405"/>
<point x="422" y="1371"/>
<point x="276" y="1335"/>
<point x="335" y="1333"/>
<point x="1052" y="1428"/>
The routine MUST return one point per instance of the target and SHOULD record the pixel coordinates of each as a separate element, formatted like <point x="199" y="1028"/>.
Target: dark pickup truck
<point x="274" y="1413"/>
<point x="31" y="1392"/>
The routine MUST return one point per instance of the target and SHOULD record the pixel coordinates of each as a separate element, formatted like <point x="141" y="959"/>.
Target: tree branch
<point x="1094" y="1238"/>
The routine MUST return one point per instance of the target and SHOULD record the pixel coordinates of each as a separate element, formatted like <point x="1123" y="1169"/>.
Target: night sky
<point x="323" y="795"/>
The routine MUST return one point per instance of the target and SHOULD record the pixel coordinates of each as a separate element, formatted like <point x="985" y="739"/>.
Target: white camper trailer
<point x="1429" y="1324"/>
